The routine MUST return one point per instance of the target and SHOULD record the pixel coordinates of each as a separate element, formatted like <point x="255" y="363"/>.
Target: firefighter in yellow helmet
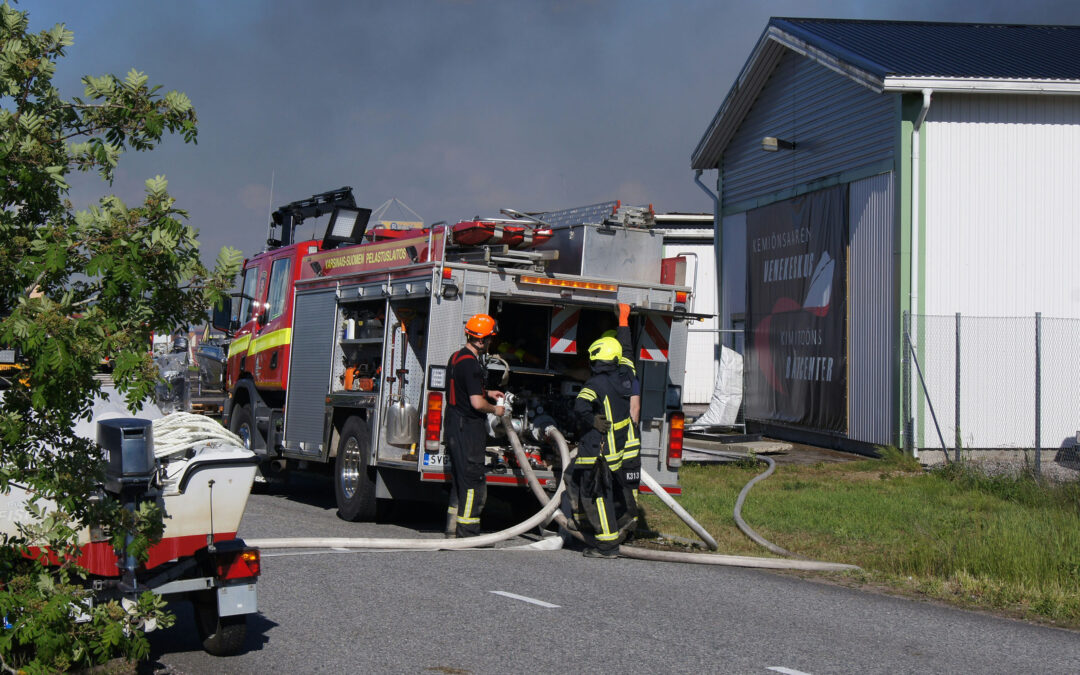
<point x="602" y="412"/>
<point x="628" y="477"/>
<point x="466" y="437"/>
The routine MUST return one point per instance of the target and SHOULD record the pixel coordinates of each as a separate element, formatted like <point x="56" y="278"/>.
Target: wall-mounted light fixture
<point x="772" y="144"/>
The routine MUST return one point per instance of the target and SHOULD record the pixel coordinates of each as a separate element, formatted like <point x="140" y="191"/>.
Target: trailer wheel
<point x="220" y="635"/>
<point x="354" y="479"/>
<point x="243" y="425"/>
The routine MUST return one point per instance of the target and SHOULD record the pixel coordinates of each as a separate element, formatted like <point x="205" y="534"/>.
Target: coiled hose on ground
<point x="543" y="516"/>
<point x="675" y="556"/>
<point x="550" y="510"/>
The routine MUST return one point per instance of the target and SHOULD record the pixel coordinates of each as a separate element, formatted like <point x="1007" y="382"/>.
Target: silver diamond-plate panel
<point x="476" y="296"/>
<point x="446" y="325"/>
<point x="677" y="353"/>
<point x="593" y="213"/>
<point x="313" y="341"/>
<point x="413" y="388"/>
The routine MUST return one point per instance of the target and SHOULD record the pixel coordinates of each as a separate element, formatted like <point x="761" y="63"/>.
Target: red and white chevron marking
<point x="654" y="341"/>
<point x="564" y="324"/>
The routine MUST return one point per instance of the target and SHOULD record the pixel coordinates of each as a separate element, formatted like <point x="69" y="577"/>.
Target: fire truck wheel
<point x="220" y="635"/>
<point x="243" y="425"/>
<point x="354" y="477"/>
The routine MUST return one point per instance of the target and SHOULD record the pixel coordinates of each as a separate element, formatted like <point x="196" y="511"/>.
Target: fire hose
<point x="549" y="511"/>
<point x="671" y="556"/>
<point x="543" y="516"/>
<point x="180" y="431"/>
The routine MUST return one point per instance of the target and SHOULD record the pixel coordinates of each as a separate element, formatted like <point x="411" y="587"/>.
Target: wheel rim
<point x="350" y="467"/>
<point x="244" y="432"/>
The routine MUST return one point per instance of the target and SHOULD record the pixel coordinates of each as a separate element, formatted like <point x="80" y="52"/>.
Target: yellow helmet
<point x="605" y="349"/>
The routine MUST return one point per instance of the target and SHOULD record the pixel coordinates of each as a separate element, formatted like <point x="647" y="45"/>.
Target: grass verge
<point x="1006" y="544"/>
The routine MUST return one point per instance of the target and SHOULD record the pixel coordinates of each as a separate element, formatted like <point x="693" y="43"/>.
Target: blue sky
<point x="457" y="108"/>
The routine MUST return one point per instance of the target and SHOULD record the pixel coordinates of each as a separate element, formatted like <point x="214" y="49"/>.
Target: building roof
<point x="946" y="50"/>
<point x="898" y="56"/>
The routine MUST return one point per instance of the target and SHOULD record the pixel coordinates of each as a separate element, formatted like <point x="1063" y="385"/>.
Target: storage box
<point x="604" y="252"/>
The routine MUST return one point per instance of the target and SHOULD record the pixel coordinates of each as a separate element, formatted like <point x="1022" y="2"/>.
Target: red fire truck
<point x="340" y="345"/>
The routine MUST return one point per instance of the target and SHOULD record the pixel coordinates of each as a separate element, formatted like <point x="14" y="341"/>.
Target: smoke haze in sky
<point x="457" y="108"/>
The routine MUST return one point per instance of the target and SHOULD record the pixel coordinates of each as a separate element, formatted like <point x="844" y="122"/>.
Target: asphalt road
<point x="497" y="611"/>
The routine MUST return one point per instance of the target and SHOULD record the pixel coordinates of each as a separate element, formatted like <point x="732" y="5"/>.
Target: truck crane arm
<point x="288" y="217"/>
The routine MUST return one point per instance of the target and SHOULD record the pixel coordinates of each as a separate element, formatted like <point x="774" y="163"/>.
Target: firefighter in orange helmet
<point x="466" y="436"/>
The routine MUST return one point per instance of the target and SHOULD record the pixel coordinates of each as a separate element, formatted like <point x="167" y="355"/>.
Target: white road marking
<point x="787" y="671"/>
<point x="515" y="596"/>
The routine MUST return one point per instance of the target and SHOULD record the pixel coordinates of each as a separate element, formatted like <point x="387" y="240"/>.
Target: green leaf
<point x="157" y="186"/>
<point x="135" y="80"/>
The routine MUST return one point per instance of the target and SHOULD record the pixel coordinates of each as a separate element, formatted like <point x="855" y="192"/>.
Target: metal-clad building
<point x="869" y="168"/>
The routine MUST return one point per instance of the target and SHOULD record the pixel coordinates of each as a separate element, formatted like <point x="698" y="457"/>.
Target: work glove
<point x="601" y="423"/>
<point x="623" y="312"/>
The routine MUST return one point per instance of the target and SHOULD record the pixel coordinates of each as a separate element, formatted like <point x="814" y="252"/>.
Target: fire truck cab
<point x="340" y="345"/>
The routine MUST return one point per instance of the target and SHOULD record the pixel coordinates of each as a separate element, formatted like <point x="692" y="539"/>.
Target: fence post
<point x="956" y="411"/>
<point x="1038" y="395"/>
<point x="905" y="385"/>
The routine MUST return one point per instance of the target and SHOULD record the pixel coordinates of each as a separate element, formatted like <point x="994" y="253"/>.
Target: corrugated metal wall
<point x="1002" y="223"/>
<point x="836" y="125"/>
<point x="871" y="320"/>
<point x="1002" y="231"/>
<point x="734" y="271"/>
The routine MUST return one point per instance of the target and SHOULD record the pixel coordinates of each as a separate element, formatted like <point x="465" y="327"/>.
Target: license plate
<point x="436" y="460"/>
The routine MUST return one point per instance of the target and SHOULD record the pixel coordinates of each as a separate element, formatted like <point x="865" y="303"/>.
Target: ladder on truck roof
<point x="604" y="214"/>
<point x="502" y="256"/>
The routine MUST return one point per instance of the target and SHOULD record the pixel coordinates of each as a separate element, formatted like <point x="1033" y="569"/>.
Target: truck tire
<point x="354" y="477"/>
<point x="220" y="635"/>
<point x="242" y="424"/>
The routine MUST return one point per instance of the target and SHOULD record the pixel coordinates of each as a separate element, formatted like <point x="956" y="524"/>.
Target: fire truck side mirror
<point x="221" y="319"/>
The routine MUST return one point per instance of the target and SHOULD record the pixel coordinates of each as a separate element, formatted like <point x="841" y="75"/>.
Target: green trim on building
<point x="911" y="279"/>
<point x="907" y="111"/>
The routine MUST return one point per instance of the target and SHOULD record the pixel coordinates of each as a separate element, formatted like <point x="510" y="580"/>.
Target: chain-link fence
<point x="992" y="384"/>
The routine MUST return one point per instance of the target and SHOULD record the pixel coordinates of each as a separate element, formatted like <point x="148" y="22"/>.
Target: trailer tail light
<point x="447" y="273"/>
<point x="433" y="421"/>
<point x="239" y="564"/>
<point x="681" y="296"/>
<point x="675" y="440"/>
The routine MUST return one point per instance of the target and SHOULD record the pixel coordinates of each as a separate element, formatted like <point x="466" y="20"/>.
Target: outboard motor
<point x="128" y="443"/>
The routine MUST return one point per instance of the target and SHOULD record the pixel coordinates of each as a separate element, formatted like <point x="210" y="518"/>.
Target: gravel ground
<point x="1057" y="466"/>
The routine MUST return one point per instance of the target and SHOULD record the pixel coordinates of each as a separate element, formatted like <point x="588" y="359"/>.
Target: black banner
<point x="796" y="341"/>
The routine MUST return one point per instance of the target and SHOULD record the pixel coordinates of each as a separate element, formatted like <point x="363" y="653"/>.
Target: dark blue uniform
<point x="466" y="441"/>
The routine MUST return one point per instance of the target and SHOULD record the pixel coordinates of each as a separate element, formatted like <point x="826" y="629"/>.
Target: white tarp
<point x="727" y="394"/>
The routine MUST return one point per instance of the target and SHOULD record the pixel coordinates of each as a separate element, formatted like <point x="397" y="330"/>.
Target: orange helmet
<point x="480" y="326"/>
